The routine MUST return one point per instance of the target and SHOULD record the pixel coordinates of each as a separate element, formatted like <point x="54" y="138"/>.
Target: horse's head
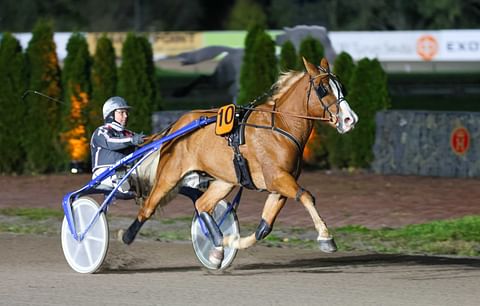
<point x="326" y="97"/>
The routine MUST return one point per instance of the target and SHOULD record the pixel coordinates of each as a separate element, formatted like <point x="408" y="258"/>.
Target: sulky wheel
<point x="202" y="244"/>
<point x="85" y="256"/>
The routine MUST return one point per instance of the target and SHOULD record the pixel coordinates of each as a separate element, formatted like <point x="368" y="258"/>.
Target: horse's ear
<point x="324" y="64"/>
<point x="311" y="69"/>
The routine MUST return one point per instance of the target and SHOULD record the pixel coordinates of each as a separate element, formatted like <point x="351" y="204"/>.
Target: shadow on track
<point x="338" y="264"/>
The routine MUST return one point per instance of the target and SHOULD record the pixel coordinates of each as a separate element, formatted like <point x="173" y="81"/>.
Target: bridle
<point x="321" y="92"/>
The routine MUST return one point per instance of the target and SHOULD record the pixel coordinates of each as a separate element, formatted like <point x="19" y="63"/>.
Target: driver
<point x="112" y="141"/>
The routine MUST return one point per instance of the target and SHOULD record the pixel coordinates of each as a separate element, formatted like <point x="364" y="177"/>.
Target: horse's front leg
<point x="205" y="205"/>
<point x="286" y="185"/>
<point x="273" y="205"/>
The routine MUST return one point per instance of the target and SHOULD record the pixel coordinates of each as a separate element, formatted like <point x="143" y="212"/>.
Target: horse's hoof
<point x="327" y="245"/>
<point x="216" y="256"/>
<point x="127" y="238"/>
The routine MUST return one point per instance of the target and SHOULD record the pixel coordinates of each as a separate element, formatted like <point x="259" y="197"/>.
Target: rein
<point x="267" y="111"/>
<point x="321" y="91"/>
<point x="285" y="114"/>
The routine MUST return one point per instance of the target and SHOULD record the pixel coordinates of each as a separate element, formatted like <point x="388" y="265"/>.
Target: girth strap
<point x="235" y="139"/>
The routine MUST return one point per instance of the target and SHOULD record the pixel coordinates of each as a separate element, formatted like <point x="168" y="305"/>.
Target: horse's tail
<point x="145" y="179"/>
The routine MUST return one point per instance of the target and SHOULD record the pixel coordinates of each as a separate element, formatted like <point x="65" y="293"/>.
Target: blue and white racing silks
<point x="110" y="143"/>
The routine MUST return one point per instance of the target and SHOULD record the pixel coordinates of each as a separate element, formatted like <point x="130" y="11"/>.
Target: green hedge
<point x="135" y="83"/>
<point x="43" y="117"/>
<point x="13" y="82"/>
<point x="103" y="77"/>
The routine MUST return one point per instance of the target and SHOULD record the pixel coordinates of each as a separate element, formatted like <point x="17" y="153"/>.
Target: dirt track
<point x="34" y="272"/>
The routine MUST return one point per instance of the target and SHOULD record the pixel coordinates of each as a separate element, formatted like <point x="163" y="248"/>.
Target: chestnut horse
<point x="275" y="135"/>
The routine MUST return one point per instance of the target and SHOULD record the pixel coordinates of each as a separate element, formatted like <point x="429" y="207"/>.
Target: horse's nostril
<point x="347" y="120"/>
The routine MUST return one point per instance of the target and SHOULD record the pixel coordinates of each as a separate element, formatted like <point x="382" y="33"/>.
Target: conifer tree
<point x="135" y="85"/>
<point x="339" y="146"/>
<point x="246" y="72"/>
<point x="76" y="84"/>
<point x="13" y="83"/>
<point x="259" y="69"/>
<point x="311" y="49"/>
<point x="288" y="57"/>
<point x="266" y="63"/>
<point x="42" y="141"/>
<point x="104" y="78"/>
<point x="343" y="68"/>
<point x="150" y="71"/>
<point x="366" y="101"/>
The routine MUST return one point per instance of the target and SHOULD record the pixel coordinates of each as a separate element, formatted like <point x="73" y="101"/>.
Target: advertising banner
<point x="394" y="46"/>
<point x="446" y="45"/>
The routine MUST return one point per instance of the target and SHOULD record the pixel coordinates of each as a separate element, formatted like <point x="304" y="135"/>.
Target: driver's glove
<point x="137" y="139"/>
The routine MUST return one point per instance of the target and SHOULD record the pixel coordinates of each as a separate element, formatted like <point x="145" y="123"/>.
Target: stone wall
<point x="427" y="143"/>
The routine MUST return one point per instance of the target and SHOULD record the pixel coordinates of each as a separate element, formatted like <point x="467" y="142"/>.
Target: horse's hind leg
<point x="273" y="205"/>
<point x="287" y="186"/>
<point x="163" y="187"/>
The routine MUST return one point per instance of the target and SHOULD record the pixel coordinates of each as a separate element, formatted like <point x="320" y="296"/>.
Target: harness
<point x="236" y="138"/>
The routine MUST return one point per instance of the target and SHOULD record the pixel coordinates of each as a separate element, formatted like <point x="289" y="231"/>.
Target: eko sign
<point x="446" y="45"/>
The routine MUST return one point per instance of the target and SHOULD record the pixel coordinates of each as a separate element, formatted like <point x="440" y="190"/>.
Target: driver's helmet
<point x="112" y="104"/>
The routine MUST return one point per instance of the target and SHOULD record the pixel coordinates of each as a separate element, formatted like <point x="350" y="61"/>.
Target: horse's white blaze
<point x="346" y="116"/>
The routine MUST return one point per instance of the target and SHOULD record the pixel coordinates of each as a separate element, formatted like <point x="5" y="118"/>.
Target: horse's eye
<point x="321" y="91"/>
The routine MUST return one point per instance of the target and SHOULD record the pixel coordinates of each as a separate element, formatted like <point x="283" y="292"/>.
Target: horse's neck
<point x="294" y="101"/>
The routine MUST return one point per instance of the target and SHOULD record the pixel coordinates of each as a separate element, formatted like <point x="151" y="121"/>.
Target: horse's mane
<point x="284" y="82"/>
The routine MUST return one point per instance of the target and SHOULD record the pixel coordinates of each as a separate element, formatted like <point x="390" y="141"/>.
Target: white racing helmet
<point x="113" y="104"/>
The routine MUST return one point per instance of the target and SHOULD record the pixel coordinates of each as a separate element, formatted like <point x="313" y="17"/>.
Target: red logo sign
<point x="427" y="47"/>
<point x="460" y="140"/>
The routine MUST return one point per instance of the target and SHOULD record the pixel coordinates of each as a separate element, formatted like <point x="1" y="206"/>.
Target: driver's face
<point x="121" y="116"/>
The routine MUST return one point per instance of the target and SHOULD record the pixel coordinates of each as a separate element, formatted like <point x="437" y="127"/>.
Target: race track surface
<point x="34" y="272"/>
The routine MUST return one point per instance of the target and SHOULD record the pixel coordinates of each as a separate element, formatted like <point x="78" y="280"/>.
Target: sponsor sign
<point x="163" y="43"/>
<point x="427" y="47"/>
<point x="117" y="39"/>
<point x="445" y="45"/>
<point x="173" y="43"/>
<point x="411" y="46"/>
